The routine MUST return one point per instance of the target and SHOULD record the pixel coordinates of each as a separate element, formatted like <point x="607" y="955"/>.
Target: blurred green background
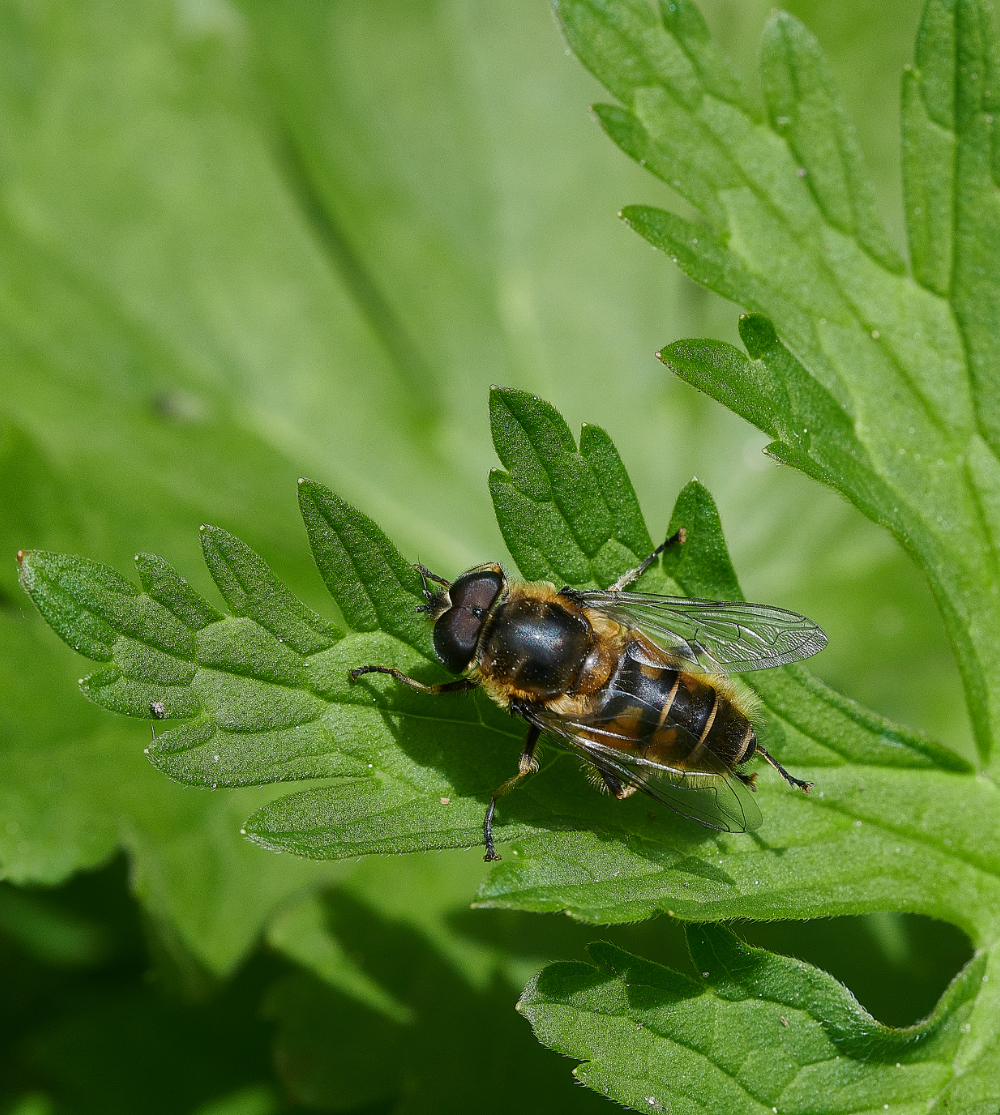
<point x="246" y="241"/>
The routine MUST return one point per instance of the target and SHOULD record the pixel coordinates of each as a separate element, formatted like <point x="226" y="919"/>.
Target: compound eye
<point x="456" y="634"/>
<point x="457" y="630"/>
<point x="476" y="591"/>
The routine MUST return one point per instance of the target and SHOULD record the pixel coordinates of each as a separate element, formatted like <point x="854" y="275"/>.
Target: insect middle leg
<point x="676" y="539"/>
<point x="526" y="766"/>
<point x="435" y="690"/>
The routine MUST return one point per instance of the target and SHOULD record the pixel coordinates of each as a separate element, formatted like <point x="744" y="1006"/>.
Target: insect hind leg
<point x="678" y="538"/>
<point x="617" y="789"/>
<point x="527" y="765"/>
<point x="804" y="786"/>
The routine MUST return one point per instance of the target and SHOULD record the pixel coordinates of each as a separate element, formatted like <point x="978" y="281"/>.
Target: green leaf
<point x="161" y="364"/>
<point x="77" y="787"/>
<point x="374" y="587"/>
<point x="567" y="516"/>
<point x="110" y="1040"/>
<point x="117" y="432"/>
<point x="460" y="1037"/>
<point x="414" y="772"/>
<point x="804" y="106"/>
<point x="302" y="933"/>
<point x="880" y="384"/>
<point x="265" y="696"/>
<point x="863" y="766"/>
<point x="408" y="253"/>
<point x="757" y="1032"/>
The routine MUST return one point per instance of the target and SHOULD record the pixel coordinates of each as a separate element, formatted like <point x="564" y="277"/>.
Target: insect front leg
<point x="526" y="766"/>
<point x="435" y="690"/>
<point x="677" y="538"/>
<point x="425" y="573"/>
<point x="430" y="597"/>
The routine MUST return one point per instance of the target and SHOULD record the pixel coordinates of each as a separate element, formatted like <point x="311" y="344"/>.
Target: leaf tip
<point x="307" y="487"/>
<point x="757" y="334"/>
<point x="778" y="16"/>
<point x="694" y="489"/>
<point x="25" y="569"/>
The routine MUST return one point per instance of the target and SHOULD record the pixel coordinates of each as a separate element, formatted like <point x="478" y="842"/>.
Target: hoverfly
<point x="633" y="684"/>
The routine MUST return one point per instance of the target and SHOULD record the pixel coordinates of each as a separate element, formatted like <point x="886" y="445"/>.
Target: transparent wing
<point x="727" y="634"/>
<point x="708" y="795"/>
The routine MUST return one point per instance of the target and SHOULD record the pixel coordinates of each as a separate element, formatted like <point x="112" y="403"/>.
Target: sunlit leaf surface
<point x="896" y="820"/>
<point x="243" y="242"/>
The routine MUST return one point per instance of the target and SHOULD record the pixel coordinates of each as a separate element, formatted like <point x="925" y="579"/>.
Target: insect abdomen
<point x="646" y="705"/>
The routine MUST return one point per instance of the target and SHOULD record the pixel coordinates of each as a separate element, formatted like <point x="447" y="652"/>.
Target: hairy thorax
<point x="544" y="649"/>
